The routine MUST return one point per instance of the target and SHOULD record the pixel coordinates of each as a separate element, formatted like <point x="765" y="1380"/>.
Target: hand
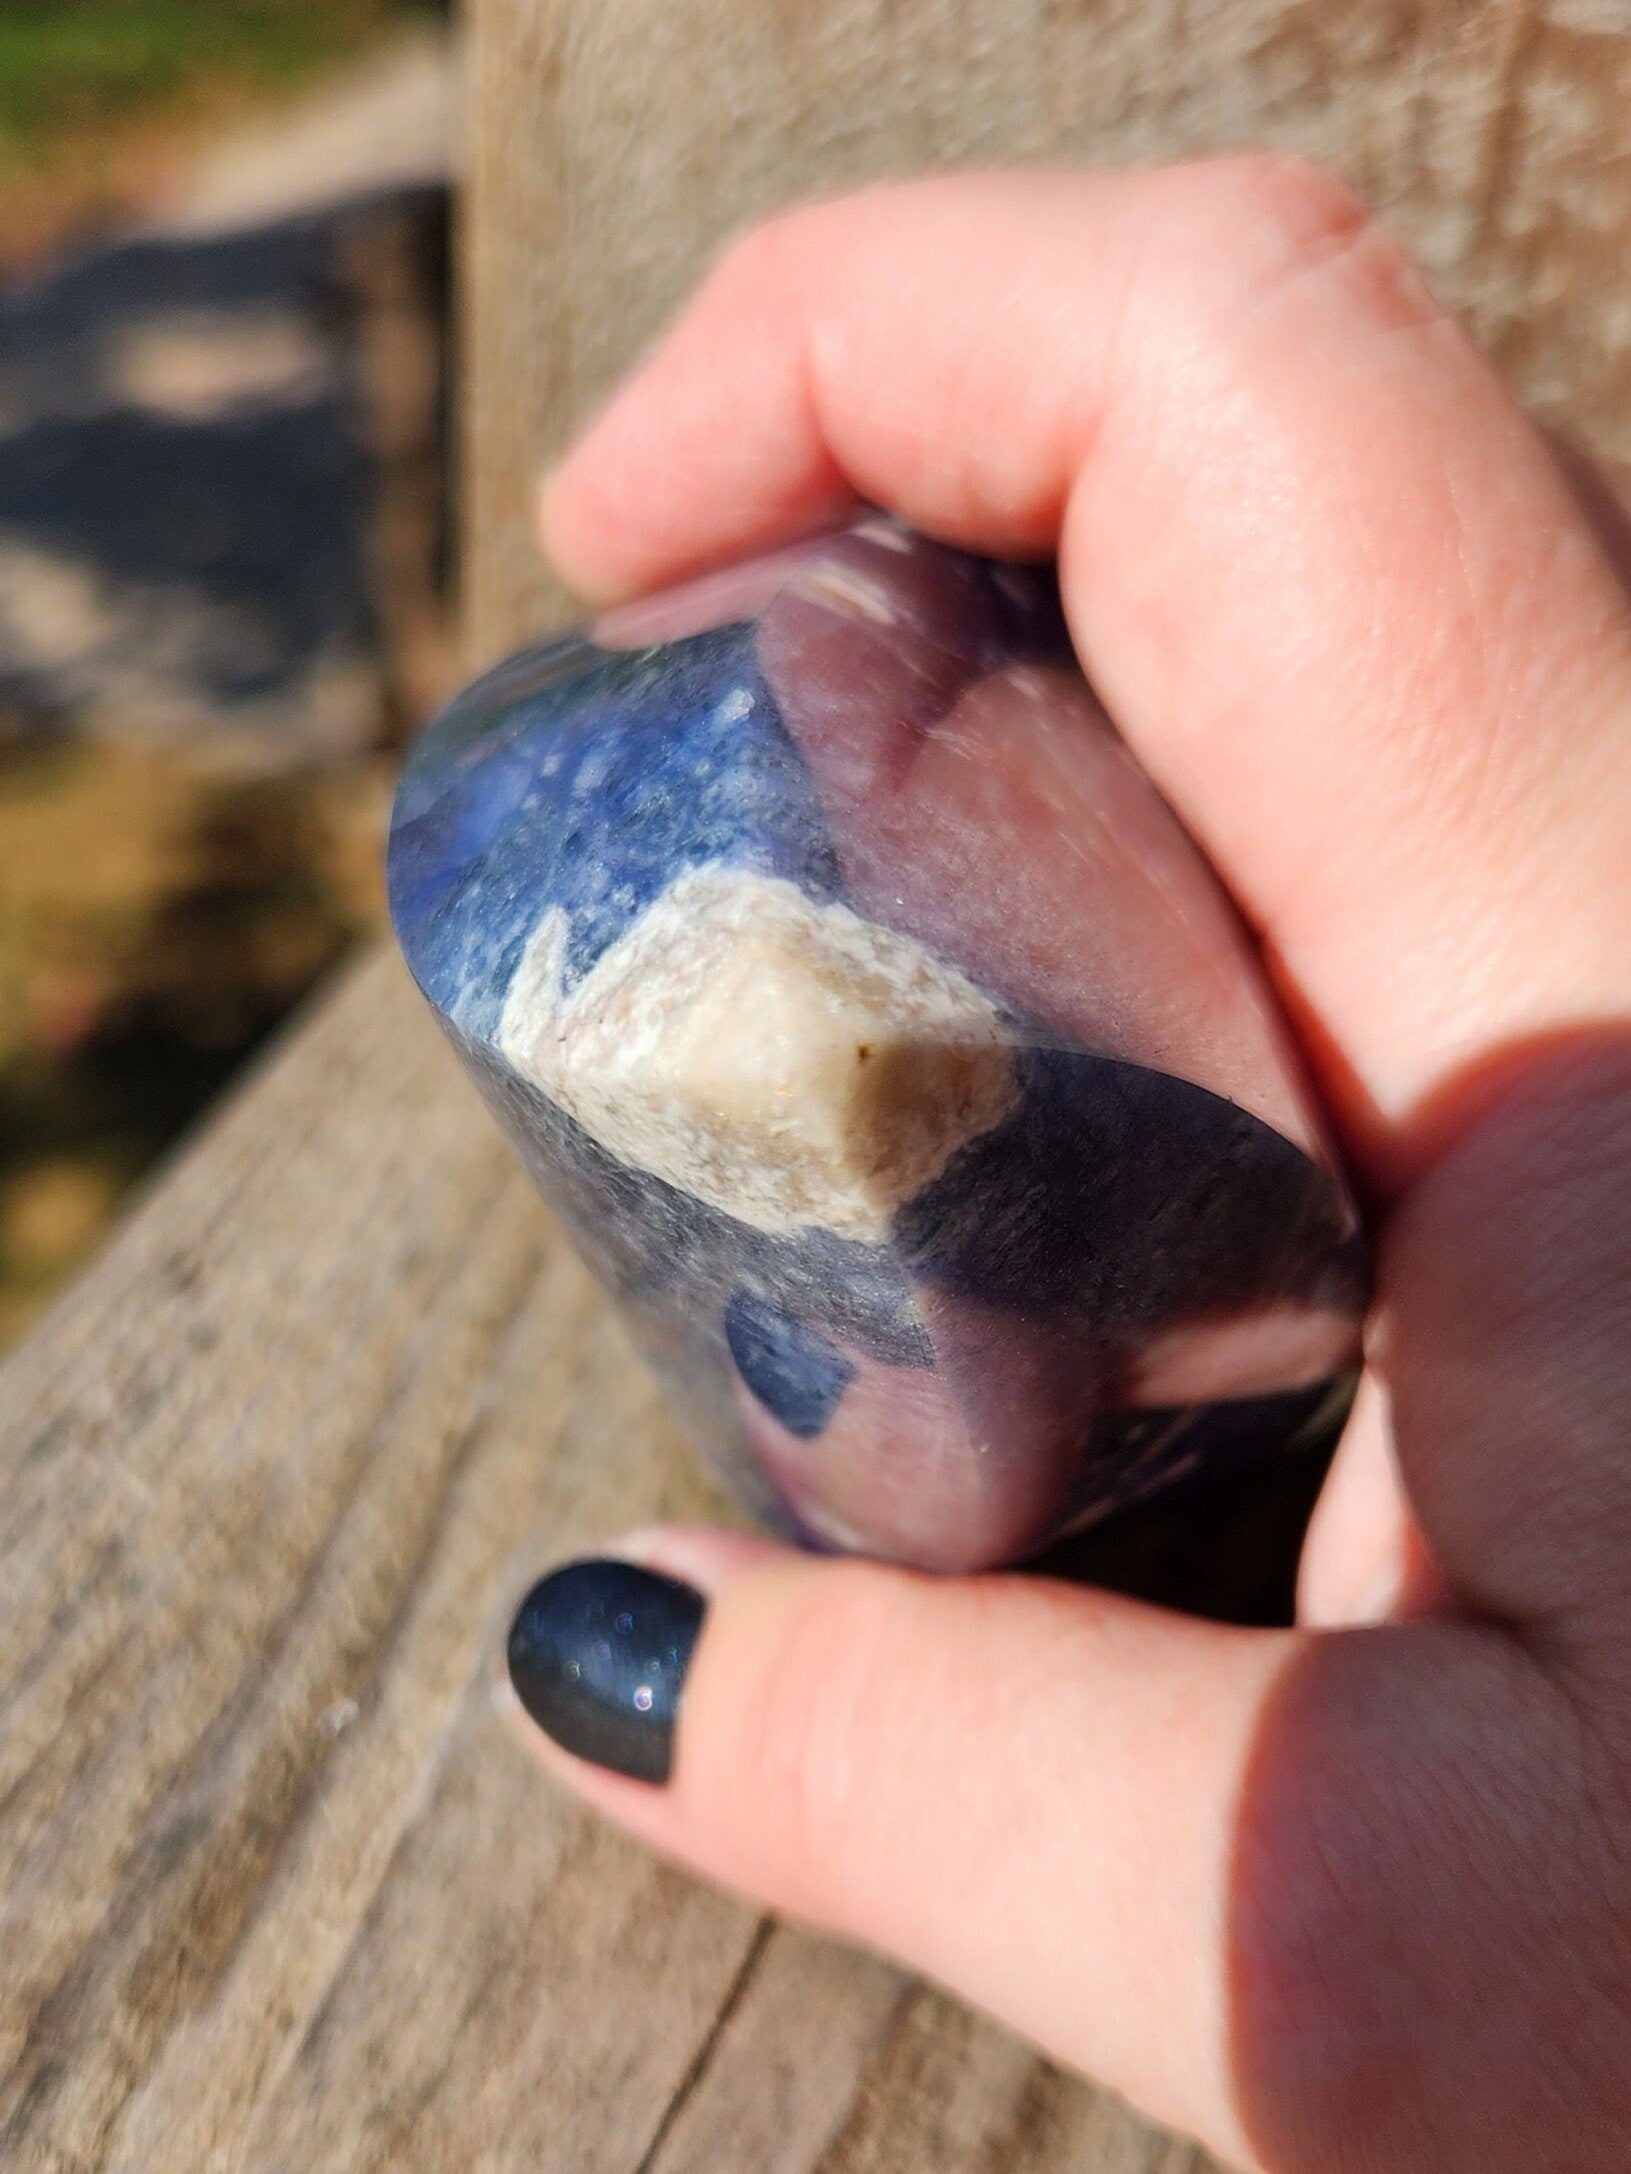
<point x="1356" y="1896"/>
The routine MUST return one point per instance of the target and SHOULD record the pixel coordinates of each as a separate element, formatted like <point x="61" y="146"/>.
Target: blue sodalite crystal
<point x="889" y="1049"/>
<point x="796" y="1372"/>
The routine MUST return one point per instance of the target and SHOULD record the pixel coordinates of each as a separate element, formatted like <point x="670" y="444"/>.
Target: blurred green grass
<point x="72" y="66"/>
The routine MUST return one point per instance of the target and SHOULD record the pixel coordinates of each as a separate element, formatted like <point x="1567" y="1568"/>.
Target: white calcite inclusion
<point x="786" y="1061"/>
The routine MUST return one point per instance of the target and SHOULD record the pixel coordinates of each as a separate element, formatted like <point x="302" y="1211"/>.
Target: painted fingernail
<point x="598" y="1654"/>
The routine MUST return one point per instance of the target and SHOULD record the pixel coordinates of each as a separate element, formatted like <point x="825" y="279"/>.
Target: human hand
<point x="1356" y="1896"/>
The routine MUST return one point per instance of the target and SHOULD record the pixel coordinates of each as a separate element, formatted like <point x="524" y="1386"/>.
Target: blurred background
<point x="223" y="549"/>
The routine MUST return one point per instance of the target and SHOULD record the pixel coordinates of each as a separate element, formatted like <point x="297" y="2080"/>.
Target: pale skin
<point x="1355" y="1896"/>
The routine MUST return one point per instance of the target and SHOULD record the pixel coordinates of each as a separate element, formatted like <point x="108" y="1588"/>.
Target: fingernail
<point x="598" y="1654"/>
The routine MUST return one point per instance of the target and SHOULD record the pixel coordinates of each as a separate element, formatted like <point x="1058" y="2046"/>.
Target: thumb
<point x="1505" y="1296"/>
<point x="1025" y="1790"/>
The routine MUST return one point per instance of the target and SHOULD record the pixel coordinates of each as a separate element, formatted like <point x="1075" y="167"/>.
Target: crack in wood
<point x="702" y="2059"/>
<point x="220" y="1906"/>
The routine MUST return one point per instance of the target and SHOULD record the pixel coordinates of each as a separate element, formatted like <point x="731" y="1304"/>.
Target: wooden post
<point x="277" y="1890"/>
<point x="615" y="143"/>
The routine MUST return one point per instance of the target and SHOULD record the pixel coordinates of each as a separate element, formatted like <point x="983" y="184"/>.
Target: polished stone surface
<point x="890" y="1050"/>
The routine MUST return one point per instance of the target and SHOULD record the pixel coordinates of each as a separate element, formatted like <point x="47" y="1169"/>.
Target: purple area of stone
<point x="889" y="1049"/>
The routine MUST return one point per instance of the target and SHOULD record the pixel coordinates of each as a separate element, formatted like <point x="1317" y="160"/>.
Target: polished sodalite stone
<point x="888" y="1047"/>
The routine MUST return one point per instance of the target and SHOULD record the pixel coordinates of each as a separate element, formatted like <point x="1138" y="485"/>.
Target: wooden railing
<point x="276" y="1889"/>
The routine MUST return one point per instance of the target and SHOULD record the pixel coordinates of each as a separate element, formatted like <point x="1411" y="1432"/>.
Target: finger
<point x="1502" y="1338"/>
<point x="1331" y="584"/>
<point x="1503" y="1334"/>
<point x="1603" y="493"/>
<point x="1364" y="1560"/>
<point x="1024" y="1789"/>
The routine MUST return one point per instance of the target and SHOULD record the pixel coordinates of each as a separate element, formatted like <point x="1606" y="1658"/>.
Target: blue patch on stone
<point x="1127" y="1198"/>
<point x="588" y="784"/>
<point x="794" y="1371"/>
<point x="451" y="811"/>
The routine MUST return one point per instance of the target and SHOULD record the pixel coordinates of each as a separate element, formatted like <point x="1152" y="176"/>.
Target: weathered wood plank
<point x="617" y="144"/>
<point x="276" y="1889"/>
<point x="833" y="2061"/>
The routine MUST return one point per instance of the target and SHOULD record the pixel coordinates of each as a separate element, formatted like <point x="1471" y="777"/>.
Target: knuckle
<point x="1294" y="198"/>
<point x="1263" y="227"/>
<point x="762" y="258"/>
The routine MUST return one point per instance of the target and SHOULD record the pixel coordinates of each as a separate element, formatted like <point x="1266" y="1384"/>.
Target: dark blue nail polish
<point x="598" y="1654"/>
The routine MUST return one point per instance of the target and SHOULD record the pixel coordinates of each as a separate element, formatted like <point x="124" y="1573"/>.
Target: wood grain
<point x="618" y="144"/>
<point x="277" y="1889"/>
